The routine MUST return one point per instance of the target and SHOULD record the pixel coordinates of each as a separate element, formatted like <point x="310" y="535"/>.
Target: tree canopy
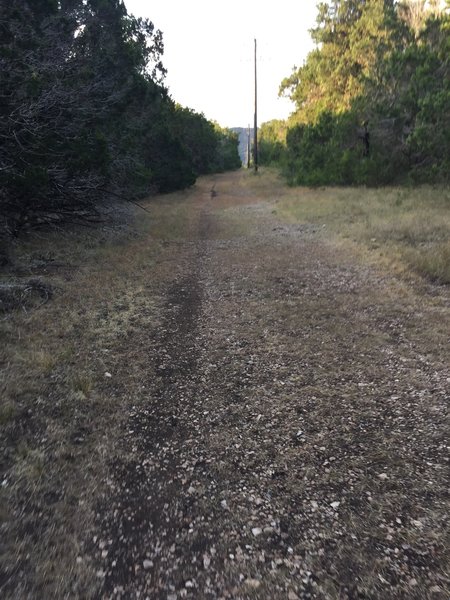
<point x="85" y="116"/>
<point x="372" y="100"/>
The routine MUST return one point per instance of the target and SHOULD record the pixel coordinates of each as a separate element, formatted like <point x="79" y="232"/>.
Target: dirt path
<point x="283" y="433"/>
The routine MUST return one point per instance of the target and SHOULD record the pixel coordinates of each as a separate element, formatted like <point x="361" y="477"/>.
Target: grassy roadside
<point x="408" y="228"/>
<point x="66" y="370"/>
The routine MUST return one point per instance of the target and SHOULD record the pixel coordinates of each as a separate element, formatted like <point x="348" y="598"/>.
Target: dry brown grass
<point x="56" y="403"/>
<point x="409" y="227"/>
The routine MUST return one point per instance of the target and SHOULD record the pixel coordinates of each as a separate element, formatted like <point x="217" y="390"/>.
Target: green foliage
<point x="351" y="36"/>
<point x="372" y="100"/>
<point x="84" y="114"/>
<point x="228" y="157"/>
<point x="272" y="139"/>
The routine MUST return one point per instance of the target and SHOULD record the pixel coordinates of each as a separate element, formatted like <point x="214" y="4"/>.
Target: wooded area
<point x="85" y="116"/>
<point x="372" y="100"/>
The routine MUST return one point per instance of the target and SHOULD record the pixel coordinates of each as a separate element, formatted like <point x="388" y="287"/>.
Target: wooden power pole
<point x="248" y="148"/>
<point x="255" y="125"/>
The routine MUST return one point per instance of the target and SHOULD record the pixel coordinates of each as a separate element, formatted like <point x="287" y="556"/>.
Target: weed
<point x="7" y="413"/>
<point x="44" y="361"/>
<point x="30" y="463"/>
<point x="82" y="383"/>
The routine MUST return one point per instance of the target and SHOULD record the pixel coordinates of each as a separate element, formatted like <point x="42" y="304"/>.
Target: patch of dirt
<point x="277" y="429"/>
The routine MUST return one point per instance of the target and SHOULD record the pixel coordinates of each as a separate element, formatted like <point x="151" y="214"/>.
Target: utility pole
<point x="248" y="148"/>
<point x="255" y="132"/>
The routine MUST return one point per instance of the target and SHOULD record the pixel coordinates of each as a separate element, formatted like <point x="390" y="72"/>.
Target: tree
<point x="84" y="114"/>
<point x="373" y="99"/>
<point x="351" y="37"/>
<point x="272" y="139"/>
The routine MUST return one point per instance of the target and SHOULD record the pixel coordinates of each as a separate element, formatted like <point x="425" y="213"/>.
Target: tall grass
<point x="410" y="225"/>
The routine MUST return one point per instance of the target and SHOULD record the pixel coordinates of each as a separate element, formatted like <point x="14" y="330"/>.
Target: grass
<point x="52" y="359"/>
<point x="433" y="263"/>
<point x="409" y="227"/>
<point x="7" y="413"/>
<point x="82" y="384"/>
<point x="55" y="356"/>
<point x="55" y="402"/>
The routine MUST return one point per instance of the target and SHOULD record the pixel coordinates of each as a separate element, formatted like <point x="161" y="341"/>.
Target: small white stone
<point x="335" y="504"/>
<point x="107" y="374"/>
<point x="256" y="531"/>
<point x="223" y="504"/>
<point x="147" y="564"/>
<point x="382" y="476"/>
<point x="435" y="589"/>
<point x="189" y="584"/>
<point x="253" y="583"/>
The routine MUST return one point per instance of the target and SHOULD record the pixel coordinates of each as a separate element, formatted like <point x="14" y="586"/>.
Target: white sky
<point x="209" y="52"/>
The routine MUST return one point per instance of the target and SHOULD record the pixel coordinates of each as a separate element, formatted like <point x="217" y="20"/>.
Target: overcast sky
<point x="209" y="52"/>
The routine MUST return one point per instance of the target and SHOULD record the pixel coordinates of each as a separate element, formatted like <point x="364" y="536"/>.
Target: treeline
<point x="372" y="100"/>
<point x="85" y="116"/>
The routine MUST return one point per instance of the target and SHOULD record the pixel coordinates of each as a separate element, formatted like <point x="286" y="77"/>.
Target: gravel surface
<point x="263" y="416"/>
<point x="288" y="439"/>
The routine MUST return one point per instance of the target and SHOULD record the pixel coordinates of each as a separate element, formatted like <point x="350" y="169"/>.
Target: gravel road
<point x="263" y="416"/>
<point x="288" y="439"/>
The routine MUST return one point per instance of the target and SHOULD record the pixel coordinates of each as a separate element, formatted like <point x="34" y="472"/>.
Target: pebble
<point x="147" y="564"/>
<point x="256" y="531"/>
